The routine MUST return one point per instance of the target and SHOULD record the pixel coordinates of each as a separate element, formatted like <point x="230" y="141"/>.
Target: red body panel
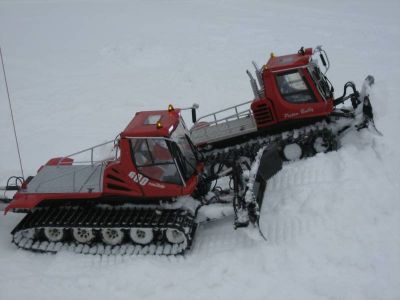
<point x="273" y="108"/>
<point x="64" y="161"/>
<point x="121" y="177"/>
<point x="25" y="201"/>
<point x="138" y="127"/>
<point x="291" y="61"/>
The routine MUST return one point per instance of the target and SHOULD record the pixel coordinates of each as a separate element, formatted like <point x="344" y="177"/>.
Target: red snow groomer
<point x="146" y="194"/>
<point x="293" y="107"/>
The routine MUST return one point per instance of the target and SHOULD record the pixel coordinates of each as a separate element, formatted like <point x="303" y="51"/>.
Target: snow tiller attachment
<point x="13" y="185"/>
<point x="146" y="196"/>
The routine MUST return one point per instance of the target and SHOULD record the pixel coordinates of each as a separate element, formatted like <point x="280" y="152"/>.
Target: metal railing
<point x="236" y="114"/>
<point x="91" y="150"/>
<point x="226" y="123"/>
<point x="83" y="173"/>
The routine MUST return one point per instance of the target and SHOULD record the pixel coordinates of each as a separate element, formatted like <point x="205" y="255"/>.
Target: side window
<point x="154" y="160"/>
<point x="321" y="82"/>
<point x="293" y="88"/>
<point x="188" y="157"/>
<point x="159" y="151"/>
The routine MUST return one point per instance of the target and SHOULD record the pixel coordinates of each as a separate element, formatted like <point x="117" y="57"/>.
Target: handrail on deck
<point x="236" y="114"/>
<point x="91" y="149"/>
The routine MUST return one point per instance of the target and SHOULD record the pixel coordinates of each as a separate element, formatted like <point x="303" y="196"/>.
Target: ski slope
<point x="79" y="70"/>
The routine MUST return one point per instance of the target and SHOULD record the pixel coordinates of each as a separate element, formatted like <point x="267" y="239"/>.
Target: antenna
<point x="12" y="115"/>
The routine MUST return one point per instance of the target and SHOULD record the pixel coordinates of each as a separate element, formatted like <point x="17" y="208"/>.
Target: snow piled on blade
<point x="79" y="70"/>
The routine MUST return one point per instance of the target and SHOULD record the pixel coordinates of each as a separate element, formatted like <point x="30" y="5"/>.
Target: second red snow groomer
<point x="293" y="106"/>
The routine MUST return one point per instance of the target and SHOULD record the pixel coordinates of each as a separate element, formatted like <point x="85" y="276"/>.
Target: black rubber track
<point x="100" y="217"/>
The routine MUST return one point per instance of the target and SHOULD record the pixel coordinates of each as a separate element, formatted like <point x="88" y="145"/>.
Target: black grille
<point x="263" y="115"/>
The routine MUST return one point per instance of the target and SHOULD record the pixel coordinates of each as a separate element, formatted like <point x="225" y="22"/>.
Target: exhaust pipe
<point x="194" y="117"/>
<point x="259" y="76"/>
<point x="254" y="87"/>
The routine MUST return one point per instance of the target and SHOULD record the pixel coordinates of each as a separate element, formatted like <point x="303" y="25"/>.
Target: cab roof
<point x="144" y="124"/>
<point x="277" y="63"/>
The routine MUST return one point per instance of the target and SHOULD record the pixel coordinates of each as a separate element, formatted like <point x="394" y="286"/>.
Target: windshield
<point x="153" y="159"/>
<point x="293" y="87"/>
<point x="188" y="161"/>
<point x="321" y="81"/>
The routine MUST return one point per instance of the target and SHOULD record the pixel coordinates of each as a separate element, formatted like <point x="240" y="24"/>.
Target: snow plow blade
<point x="368" y="113"/>
<point x="268" y="162"/>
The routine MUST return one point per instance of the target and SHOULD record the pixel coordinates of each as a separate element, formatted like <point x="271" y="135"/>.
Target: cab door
<point x="156" y="169"/>
<point x="296" y="96"/>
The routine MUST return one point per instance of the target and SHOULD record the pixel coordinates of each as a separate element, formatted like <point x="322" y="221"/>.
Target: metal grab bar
<point x="91" y="149"/>
<point x="73" y="172"/>
<point x="235" y="115"/>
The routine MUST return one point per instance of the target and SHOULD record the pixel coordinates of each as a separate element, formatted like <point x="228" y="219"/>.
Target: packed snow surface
<point x="79" y="70"/>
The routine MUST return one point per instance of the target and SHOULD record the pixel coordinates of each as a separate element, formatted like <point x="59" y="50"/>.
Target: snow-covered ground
<point x="79" y="70"/>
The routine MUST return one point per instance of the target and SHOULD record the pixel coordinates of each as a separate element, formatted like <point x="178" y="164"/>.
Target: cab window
<point x="153" y="159"/>
<point x="186" y="156"/>
<point x="321" y="81"/>
<point x="294" y="88"/>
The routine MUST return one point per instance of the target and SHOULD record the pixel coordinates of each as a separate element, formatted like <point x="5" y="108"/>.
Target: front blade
<point x="367" y="110"/>
<point x="268" y="162"/>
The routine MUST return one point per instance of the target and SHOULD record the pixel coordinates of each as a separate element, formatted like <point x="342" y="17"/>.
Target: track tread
<point x="97" y="218"/>
<point x="304" y="136"/>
